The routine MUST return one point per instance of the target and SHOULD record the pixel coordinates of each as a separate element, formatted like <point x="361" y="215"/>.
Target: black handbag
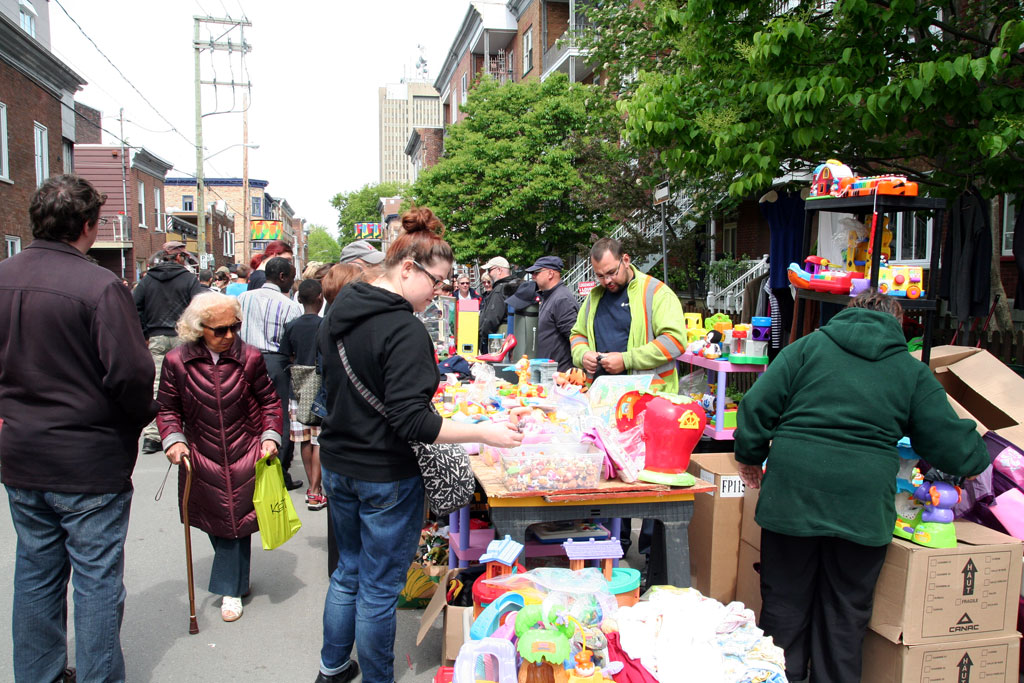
<point x="447" y="475"/>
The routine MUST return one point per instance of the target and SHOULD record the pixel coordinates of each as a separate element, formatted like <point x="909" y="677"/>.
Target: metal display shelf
<point x="885" y="205"/>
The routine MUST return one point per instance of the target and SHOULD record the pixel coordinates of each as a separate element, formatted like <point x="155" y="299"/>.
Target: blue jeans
<point x="80" y="535"/>
<point x="377" y="528"/>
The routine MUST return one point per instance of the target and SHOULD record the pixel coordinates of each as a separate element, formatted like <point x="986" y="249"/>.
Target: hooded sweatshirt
<point x="826" y="416"/>
<point x="390" y="352"/>
<point x="162" y="296"/>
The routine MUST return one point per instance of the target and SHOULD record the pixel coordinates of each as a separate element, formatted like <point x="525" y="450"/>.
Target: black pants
<point x="816" y="597"/>
<point x="277" y="368"/>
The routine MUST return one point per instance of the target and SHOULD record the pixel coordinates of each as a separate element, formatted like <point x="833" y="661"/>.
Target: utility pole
<point x="124" y="192"/>
<point x="213" y="46"/>
<point x="246" y="232"/>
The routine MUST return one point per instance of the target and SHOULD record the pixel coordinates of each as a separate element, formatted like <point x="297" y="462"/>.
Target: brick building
<point x="257" y="208"/>
<point x="134" y="184"/>
<point x="403" y="107"/>
<point x="424" y="148"/>
<point x="220" y="231"/>
<point x="37" y="116"/>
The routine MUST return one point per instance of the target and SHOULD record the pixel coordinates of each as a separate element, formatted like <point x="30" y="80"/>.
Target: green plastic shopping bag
<point x="274" y="510"/>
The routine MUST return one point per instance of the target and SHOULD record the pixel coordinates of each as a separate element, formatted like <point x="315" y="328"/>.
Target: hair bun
<point x="421" y="219"/>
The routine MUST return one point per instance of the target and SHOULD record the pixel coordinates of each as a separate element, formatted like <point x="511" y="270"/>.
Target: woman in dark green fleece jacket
<point x="825" y="418"/>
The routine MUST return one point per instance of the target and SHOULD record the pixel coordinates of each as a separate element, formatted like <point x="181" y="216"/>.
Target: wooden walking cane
<point x="193" y="625"/>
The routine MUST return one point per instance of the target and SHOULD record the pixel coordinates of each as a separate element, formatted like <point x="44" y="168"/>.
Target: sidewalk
<point x="277" y="638"/>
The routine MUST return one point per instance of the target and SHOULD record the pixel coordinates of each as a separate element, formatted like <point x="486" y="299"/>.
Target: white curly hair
<point x="190" y="325"/>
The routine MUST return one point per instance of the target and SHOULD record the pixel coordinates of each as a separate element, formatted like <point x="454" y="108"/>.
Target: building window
<point x="912" y="242"/>
<point x="4" y="170"/>
<point x="157" y="205"/>
<point x="140" y="268"/>
<point x="67" y="155"/>
<point x="455" y="106"/>
<point x="28" y="17"/>
<point x="42" y="141"/>
<point x="728" y="245"/>
<point x="188" y="202"/>
<point x="142" y="205"/>
<point x="465" y="78"/>
<point x="1010" y="211"/>
<point x="528" y="50"/>
<point x="257" y="207"/>
<point x="13" y="244"/>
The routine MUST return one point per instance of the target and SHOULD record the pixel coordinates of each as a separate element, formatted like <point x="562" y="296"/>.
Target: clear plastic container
<point x="494" y="343"/>
<point x="551" y="467"/>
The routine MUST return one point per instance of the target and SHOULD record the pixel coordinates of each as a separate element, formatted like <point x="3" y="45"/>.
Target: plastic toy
<point x="694" y="323"/>
<point x="858" y="250"/>
<point x="901" y="281"/>
<point x="712" y="321"/>
<point x="935" y="530"/>
<point x="499" y="661"/>
<point x="543" y="646"/>
<point x="822" y="277"/>
<point x="835" y="179"/>
<point x="761" y="327"/>
<point x="494" y="615"/>
<point x="746" y="351"/>
<point x="585" y="671"/>
<point x="709" y="347"/>
<point x="523" y="370"/>
<point x="672" y="426"/>
<point x="500" y="557"/>
<point x="605" y="551"/>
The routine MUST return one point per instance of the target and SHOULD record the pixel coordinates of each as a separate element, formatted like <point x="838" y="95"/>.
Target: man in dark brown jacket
<point x="75" y="391"/>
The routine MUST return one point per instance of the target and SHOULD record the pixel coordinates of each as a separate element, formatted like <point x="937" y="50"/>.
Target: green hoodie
<point x="826" y="416"/>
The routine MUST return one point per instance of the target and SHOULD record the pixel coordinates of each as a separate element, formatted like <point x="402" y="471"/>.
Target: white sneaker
<point x="231" y="608"/>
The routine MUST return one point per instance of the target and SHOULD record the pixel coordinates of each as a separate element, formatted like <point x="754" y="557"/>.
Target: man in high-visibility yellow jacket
<point x="630" y="322"/>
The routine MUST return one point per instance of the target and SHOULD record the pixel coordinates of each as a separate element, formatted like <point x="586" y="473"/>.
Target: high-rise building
<point x="404" y="107"/>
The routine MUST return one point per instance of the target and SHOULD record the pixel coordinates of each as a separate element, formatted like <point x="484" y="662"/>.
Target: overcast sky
<point x="315" y="68"/>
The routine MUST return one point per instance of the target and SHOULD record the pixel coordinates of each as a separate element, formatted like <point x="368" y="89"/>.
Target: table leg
<point x="615" y="524"/>
<point x="677" y="547"/>
<point x="720" y="402"/>
<point x="453" y="529"/>
<point x="464" y="533"/>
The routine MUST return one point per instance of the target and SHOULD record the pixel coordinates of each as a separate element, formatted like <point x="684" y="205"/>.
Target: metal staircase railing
<point x="583" y="271"/>
<point x="730" y="297"/>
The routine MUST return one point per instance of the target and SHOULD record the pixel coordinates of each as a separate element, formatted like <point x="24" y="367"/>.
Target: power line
<point x="121" y="73"/>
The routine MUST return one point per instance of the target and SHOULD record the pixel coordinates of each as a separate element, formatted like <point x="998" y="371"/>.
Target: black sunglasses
<point x="223" y="330"/>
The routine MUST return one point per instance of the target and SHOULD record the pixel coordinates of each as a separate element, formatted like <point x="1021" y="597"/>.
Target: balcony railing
<point x="118" y="228"/>
<point x="567" y="41"/>
<point x="501" y="77"/>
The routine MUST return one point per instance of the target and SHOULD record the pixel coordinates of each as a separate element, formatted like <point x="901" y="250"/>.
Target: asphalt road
<point x="278" y="637"/>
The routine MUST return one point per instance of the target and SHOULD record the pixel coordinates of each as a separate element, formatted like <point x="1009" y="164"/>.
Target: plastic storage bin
<point x="551" y="467"/>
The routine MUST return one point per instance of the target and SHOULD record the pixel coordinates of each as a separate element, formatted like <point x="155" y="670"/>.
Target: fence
<point x="1006" y="346"/>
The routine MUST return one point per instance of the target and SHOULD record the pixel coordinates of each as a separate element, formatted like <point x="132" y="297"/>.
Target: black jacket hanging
<point x="967" y="257"/>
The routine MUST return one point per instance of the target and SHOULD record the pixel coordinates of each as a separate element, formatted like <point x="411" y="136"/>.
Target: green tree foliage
<point x="321" y="246"/>
<point x="360" y="206"/>
<point x="732" y="95"/>
<point x="528" y="171"/>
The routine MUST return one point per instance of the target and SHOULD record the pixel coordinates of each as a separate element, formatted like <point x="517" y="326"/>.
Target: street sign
<point x="585" y="287"/>
<point x="661" y="193"/>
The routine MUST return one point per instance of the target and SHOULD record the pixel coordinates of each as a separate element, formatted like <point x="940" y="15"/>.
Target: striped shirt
<point x="265" y="312"/>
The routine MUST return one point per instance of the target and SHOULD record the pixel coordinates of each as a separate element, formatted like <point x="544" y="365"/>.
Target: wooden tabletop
<point x="490" y="477"/>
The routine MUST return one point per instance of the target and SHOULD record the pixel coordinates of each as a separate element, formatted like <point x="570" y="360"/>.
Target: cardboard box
<point x="750" y="532"/>
<point x="982" y="388"/>
<point x="927" y="595"/>
<point x="452" y="638"/>
<point x="748" y="580"/>
<point x="715" y="528"/>
<point x="993" y="660"/>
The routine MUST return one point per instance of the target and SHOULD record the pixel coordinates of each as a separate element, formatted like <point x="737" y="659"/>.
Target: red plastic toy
<point x="822" y="277"/>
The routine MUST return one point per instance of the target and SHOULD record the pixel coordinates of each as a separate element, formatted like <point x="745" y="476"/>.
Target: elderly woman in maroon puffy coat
<point x="218" y="407"/>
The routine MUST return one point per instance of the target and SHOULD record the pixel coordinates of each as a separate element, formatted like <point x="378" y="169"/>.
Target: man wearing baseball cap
<point x="361" y="253"/>
<point x="494" y="313"/>
<point x="558" y="311"/>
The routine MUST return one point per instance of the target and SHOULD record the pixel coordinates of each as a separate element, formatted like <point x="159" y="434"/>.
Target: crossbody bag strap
<point x="360" y="387"/>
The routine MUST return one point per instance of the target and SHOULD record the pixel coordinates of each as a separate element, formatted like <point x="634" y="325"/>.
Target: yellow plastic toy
<point x="694" y="323"/>
<point x="857" y="260"/>
<point x="901" y="281"/>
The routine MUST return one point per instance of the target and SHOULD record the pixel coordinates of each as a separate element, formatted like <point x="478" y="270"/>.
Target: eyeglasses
<point x="102" y="221"/>
<point x="610" y="275"/>
<point x="223" y="330"/>
<point x="437" y="281"/>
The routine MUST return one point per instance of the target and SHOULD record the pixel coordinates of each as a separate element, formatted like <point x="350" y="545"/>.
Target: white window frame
<point x="158" y="225"/>
<point x="465" y="80"/>
<point x="191" y="202"/>
<point x="41" y="138"/>
<point x="12" y="244"/>
<point x="528" y="50"/>
<point x="897" y="243"/>
<point x="141" y="192"/>
<point x="729" y="234"/>
<point x="1009" y="218"/>
<point x="5" y="170"/>
<point x="455" y="106"/>
<point x="27" y="17"/>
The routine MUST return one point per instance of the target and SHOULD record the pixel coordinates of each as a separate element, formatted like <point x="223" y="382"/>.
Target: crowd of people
<point x="204" y="367"/>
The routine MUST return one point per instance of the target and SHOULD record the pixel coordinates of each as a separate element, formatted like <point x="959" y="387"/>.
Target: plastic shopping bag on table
<point x="274" y="510"/>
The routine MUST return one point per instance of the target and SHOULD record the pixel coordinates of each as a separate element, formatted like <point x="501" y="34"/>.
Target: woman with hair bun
<point x="370" y="474"/>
